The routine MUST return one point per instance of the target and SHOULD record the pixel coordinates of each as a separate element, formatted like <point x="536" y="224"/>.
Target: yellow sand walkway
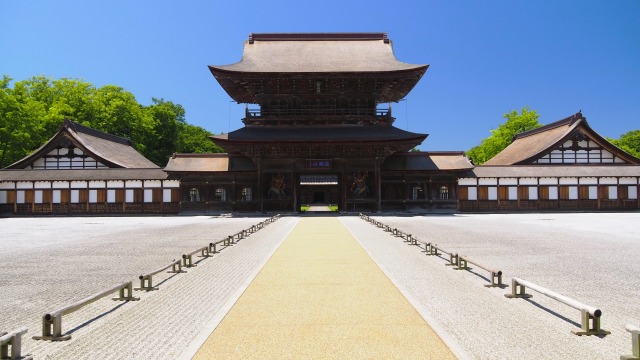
<point x="321" y="296"/>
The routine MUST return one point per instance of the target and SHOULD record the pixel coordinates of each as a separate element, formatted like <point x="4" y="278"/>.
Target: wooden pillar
<point x="378" y="184"/>
<point x="15" y="197"/>
<point x="294" y="187"/>
<point x="233" y="195"/>
<point x="344" y="185"/>
<point x="405" y="192"/>
<point x="259" y="186"/>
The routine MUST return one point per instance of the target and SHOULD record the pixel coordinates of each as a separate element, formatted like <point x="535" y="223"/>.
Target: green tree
<point x="168" y="122"/>
<point x="629" y="142"/>
<point x="19" y="132"/>
<point x="194" y="139"/>
<point x="32" y="111"/>
<point x="501" y="137"/>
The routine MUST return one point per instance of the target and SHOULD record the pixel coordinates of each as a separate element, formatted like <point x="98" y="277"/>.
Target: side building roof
<point x="198" y="163"/>
<point x="111" y="150"/>
<point x="528" y="146"/>
<point x="428" y="161"/>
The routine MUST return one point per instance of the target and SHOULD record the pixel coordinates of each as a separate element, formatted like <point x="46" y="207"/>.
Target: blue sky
<point x="486" y="57"/>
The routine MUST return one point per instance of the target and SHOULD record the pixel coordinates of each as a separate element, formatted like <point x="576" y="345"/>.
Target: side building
<point x="564" y="165"/>
<point x="84" y="171"/>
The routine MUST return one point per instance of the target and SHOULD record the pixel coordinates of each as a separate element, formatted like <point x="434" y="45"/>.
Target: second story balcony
<point x="318" y="117"/>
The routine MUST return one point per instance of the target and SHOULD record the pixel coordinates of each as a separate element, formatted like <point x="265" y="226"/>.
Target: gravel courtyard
<point x="590" y="257"/>
<point x="51" y="262"/>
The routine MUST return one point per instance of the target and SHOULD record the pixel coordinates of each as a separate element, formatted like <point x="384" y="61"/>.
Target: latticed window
<point x="247" y="194"/>
<point x="444" y="192"/>
<point x="416" y="191"/>
<point x="194" y="194"/>
<point x="220" y="194"/>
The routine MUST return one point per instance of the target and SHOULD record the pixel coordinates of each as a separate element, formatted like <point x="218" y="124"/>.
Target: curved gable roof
<point x="530" y="145"/>
<point x="111" y="150"/>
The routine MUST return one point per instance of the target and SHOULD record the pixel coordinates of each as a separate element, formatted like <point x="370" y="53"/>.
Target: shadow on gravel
<point x="71" y="331"/>
<point x="165" y="280"/>
<point x="552" y="312"/>
<point x="402" y="214"/>
<point x="479" y="275"/>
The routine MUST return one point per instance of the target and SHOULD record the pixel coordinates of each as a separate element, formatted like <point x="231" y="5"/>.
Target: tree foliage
<point x="33" y="110"/>
<point x="629" y="142"/>
<point x="501" y="137"/>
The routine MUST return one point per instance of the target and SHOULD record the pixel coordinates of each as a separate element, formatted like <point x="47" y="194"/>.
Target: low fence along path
<point x="321" y="296"/>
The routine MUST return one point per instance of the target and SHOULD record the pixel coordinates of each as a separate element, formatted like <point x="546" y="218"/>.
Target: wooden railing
<point x="13" y="339"/>
<point x="430" y="249"/>
<point x="52" y="321"/>
<point x="590" y="316"/>
<point x="635" y="343"/>
<point x="146" y="280"/>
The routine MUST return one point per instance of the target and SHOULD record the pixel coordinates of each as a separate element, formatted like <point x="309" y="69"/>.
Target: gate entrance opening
<point x="319" y="190"/>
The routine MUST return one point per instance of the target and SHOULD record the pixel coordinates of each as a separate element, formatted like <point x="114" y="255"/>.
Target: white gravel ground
<point x="48" y="263"/>
<point x="51" y="262"/>
<point x="592" y="258"/>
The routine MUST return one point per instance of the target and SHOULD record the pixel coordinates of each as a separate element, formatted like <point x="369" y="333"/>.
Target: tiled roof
<point x="429" y="161"/>
<point x="208" y="163"/>
<point x="530" y="145"/>
<point x="114" y="151"/>
<point x="311" y="53"/>
<point x="319" y="133"/>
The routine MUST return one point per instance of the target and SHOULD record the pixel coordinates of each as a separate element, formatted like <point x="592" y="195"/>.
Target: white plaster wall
<point x="56" y="196"/>
<point x="7" y="185"/>
<point x="628" y="181"/>
<point x="111" y="196"/>
<point x="152" y="183"/>
<point x="79" y="184"/>
<point x="166" y="195"/>
<point x="97" y="184"/>
<point x="573" y="193"/>
<point x="174" y="183"/>
<point x="549" y="181"/>
<point x="508" y="181"/>
<point x="461" y="181"/>
<point x="133" y="183"/>
<point x="473" y="193"/>
<point x="115" y="184"/>
<point x="487" y="181"/>
<point x="24" y="185"/>
<point x="148" y="195"/>
<point x="588" y="181"/>
<point x="42" y="185"/>
<point x="528" y="181"/>
<point x="60" y="184"/>
<point x="568" y="181"/>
